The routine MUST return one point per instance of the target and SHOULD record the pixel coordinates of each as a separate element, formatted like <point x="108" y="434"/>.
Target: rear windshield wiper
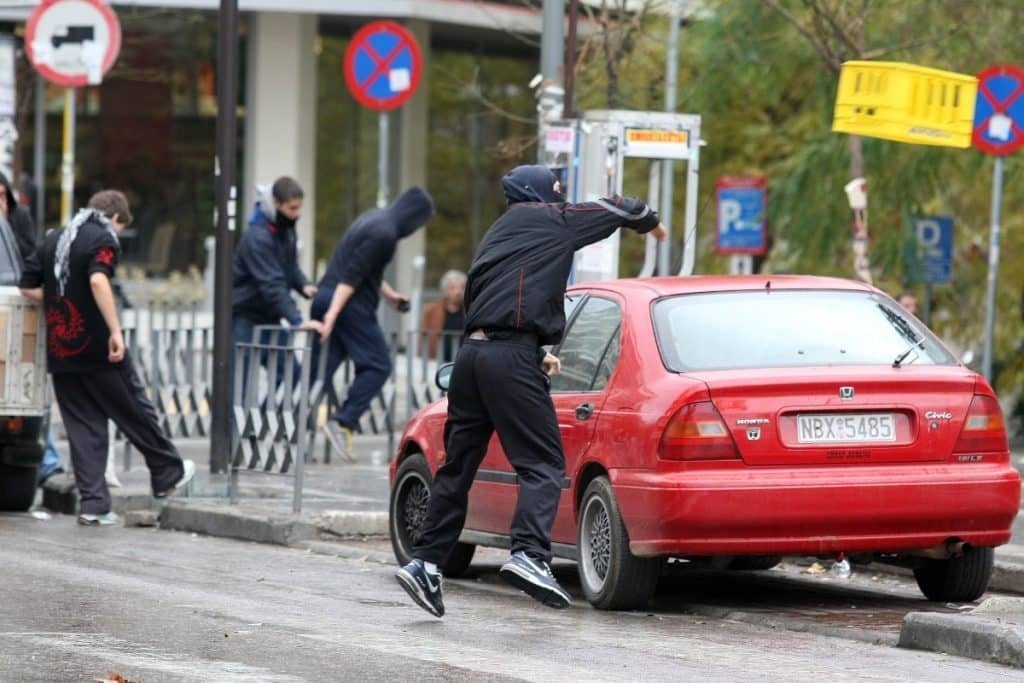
<point x="903" y="356"/>
<point x="905" y="329"/>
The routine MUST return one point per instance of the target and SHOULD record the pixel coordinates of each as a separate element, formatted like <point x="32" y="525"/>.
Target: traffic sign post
<point x="72" y="43"/>
<point x="741" y="227"/>
<point x="998" y="130"/>
<point x="383" y="66"/>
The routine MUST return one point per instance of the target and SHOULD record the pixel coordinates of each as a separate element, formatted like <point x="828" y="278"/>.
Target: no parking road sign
<point x="999" y="112"/>
<point x="383" y="65"/>
<point x="73" y="42"/>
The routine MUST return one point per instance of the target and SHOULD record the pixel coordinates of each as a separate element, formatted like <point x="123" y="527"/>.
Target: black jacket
<point x="266" y="267"/>
<point x="22" y="224"/>
<point x="368" y="246"/>
<point x="518" y="276"/>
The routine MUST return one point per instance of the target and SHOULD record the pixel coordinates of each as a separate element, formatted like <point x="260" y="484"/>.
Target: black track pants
<point x="497" y="385"/>
<point x="87" y="401"/>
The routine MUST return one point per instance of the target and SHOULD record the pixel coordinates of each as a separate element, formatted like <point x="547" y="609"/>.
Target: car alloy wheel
<point x="407" y="513"/>
<point x="611" y="576"/>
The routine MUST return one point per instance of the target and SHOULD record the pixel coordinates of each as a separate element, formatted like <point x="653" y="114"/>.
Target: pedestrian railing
<point x="171" y="346"/>
<point x="278" y="381"/>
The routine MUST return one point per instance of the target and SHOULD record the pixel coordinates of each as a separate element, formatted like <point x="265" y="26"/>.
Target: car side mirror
<point x="443" y="377"/>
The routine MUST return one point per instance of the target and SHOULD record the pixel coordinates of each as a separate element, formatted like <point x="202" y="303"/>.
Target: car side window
<point x="586" y="346"/>
<point x="10" y="262"/>
<point x="608" y="362"/>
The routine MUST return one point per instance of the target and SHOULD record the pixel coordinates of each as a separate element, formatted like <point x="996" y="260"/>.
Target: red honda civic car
<point x="746" y="418"/>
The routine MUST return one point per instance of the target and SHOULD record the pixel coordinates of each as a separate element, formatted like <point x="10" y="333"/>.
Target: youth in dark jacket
<point x="347" y="301"/>
<point x="515" y="305"/>
<point x="266" y="268"/>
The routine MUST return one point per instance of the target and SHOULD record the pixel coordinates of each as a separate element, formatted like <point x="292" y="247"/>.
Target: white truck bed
<point x="23" y="382"/>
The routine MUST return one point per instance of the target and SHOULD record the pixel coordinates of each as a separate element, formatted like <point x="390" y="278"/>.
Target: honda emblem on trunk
<point x="846" y="392"/>
<point x="753" y="434"/>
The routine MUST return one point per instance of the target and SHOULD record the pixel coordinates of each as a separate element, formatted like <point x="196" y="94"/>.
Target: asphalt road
<point x="76" y="603"/>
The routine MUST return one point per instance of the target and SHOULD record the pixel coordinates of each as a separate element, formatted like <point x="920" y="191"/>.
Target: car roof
<point x="655" y="287"/>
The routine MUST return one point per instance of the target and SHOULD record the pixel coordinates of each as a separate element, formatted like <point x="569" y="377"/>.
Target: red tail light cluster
<point x="984" y="429"/>
<point x="698" y="432"/>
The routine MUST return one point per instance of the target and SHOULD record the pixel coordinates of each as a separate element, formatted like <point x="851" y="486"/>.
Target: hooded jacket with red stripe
<point x="517" y="279"/>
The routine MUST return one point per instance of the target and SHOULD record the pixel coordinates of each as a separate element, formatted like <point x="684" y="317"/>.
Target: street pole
<point x="993" y="267"/>
<point x="383" y="166"/>
<point x="668" y="165"/>
<point x="569" y="104"/>
<point x="227" y="96"/>
<point x="67" y="164"/>
<point x="39" y="157"/>
<point x="552" y="95"/>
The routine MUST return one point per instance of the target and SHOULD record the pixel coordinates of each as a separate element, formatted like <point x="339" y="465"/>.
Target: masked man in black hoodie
<point x="514" y="307"/>
<point x="347" y="299"/>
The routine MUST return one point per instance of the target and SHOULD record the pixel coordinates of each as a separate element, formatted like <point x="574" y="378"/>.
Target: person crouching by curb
<point x="93" y="377"/>
<point x="514" y="308"/>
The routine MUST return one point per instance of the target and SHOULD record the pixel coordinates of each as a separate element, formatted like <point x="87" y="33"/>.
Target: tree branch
<point x="822" y="50"/>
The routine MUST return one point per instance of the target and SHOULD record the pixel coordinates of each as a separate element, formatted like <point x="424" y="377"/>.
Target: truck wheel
<point x="408" y="510"/>
<point x="958" y="579"/>
<point x="611" y="576"/>
<point x="17" y="487"/>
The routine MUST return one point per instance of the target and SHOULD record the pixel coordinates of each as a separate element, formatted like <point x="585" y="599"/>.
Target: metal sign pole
<point x="67" y="165"/>
<point x="39" y="155"/>
<point x="227" y="142"/>
<point x="668" y="166"/>
<point x="993" y="267"/>
<point x="383" y="189"/>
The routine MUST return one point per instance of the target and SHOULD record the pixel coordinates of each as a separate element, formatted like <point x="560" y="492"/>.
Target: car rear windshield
<point x="789" y="328"/>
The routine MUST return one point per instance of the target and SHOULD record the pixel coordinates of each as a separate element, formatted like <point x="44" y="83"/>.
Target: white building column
<point x="414" y="133"/>
<point x="281" y="106"/>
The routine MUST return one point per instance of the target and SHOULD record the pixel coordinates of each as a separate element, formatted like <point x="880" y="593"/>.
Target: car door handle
<point x="584" y="411"/>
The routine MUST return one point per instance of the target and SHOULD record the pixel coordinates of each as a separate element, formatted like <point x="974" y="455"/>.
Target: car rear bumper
<point x="762" y="511"/>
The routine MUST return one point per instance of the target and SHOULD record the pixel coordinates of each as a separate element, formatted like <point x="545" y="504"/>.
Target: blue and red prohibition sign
<point x="999" y="110"/>
<point x="383" y="65"/>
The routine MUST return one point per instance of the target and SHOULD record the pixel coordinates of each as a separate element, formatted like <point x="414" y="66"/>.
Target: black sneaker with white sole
<point x="534" y="577"/>
<point x="422" y="586"/>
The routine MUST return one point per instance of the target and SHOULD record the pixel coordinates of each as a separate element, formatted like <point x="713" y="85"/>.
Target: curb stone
<point x="993" y="635"/>
<point x="214" y="520"/>
<point x="346" y="523"/>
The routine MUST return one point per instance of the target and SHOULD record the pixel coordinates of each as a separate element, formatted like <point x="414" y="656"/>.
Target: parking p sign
<point x="741" y="226"/>
<point x="935" y="243"/>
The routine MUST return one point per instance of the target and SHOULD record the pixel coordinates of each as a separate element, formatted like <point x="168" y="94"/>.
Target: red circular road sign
<point x="999" y="110"/>
<point x="73" y="42"/>
<point x="383" y="65"/>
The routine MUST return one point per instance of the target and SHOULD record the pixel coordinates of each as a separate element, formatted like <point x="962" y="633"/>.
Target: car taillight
<point x="697" y="432"/>
<point x="14" y="425"/>
<point x="984" y="429"/>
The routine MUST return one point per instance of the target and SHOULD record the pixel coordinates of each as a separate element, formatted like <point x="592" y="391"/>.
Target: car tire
<point x="957" y="579"/>
<point x="407" y="511"/>
<point x="17" y="487"/>
<point x="611" y="576"/>
<point x="754" y="562"/>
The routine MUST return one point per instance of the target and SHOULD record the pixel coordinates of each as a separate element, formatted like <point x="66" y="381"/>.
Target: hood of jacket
<point x="264" y="204"/>
<point x="530" y="184"/>
<point x="411" y="210"/>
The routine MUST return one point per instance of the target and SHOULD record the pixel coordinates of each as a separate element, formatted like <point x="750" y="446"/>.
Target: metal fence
<point x="172" y="348"/>
<point x="278" y="381"/>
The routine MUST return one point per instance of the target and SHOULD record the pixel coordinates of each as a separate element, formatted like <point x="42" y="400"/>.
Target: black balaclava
<point x="283" y="222"/>
<point x="531" y="184"/>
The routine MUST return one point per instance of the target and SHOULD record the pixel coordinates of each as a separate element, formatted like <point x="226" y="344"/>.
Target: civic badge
<point x="846" y="393"/>
<point x="754" y="434"/>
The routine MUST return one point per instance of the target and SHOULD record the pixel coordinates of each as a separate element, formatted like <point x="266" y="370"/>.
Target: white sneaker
<point x="106" y="519"/>
<point x="190" y="471"/>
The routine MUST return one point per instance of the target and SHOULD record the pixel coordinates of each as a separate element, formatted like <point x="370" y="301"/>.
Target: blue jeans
<point x="356" y="335"/>
<point x="51" y="458"/>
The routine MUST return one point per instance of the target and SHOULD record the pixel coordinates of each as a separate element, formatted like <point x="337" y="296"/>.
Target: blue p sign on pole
<point x="935" y="243"/>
